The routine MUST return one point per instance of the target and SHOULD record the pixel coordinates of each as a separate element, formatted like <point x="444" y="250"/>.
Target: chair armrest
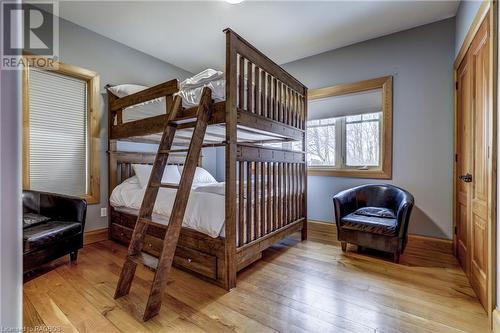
<point x="344" y="203"/>
<point x="63" y="208"/>
<point x="403" y="214"/>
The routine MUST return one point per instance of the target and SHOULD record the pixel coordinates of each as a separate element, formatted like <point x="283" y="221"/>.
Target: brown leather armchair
<point x="374" y="216"/>
<point x="52" y="227"/>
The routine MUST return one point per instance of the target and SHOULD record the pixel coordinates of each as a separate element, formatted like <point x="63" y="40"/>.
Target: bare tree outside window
<point x="321" y="142"/>
<point x="362" y="137"/>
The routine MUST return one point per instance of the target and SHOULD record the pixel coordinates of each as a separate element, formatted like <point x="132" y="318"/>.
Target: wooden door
<point x="463" y="167"/>
<point x="473" y="164"/>
<point x="481" y="99"/>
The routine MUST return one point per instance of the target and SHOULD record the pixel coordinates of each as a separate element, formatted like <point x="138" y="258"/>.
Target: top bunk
<point x="254" y="101"/>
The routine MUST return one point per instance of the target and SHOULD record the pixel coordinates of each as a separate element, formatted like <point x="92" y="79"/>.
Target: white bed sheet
<point x="205" y="210"/>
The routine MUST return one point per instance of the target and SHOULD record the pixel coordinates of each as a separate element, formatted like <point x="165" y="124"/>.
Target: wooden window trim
<point x="385" y="171"/>
<point x="93" y="130"/>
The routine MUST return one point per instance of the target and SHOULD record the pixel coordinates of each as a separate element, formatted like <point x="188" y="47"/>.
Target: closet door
<point x="481" y="99"/>
<point x="463" y="164"/>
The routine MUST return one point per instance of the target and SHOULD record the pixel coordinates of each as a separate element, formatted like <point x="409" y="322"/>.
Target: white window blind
<point x="58" y="153"/>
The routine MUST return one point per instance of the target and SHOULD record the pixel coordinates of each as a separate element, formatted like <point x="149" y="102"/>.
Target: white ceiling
<point x="189" y="34"/>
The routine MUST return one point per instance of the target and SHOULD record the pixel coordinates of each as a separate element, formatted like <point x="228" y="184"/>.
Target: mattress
<point x="205" y="211"/>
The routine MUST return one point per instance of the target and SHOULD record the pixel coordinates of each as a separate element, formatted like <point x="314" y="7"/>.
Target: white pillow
<point x="123" y="90"/>
<point x="201" y="176"/>
<point x="171" y="174"/>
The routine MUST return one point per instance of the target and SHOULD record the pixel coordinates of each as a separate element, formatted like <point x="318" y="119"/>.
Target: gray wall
<point x="10" y="199"/>
<point x="465" y="15"/>
<point x="116" y="63"/>
<point x="421" y="61"/>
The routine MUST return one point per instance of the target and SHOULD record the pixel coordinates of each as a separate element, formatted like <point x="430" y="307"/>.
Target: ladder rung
<point x="187" y="124"/>
<point x="174" y="186"/>
<point x="183" y="120"/>
<point x="161" y="151"/>
<point x="145" y="259"/>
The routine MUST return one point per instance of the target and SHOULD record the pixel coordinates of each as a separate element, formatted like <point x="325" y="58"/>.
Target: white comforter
<point x="205" y="209"/>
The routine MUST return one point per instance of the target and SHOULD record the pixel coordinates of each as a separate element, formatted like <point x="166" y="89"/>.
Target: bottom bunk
<point x="270" y="204"/>
<point x="198" y="253"/>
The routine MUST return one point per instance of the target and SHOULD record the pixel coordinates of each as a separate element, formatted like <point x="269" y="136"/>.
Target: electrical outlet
<point x="104" y="212"/>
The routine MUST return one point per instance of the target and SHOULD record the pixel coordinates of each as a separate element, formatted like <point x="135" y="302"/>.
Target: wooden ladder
<point x="164" y="262"/>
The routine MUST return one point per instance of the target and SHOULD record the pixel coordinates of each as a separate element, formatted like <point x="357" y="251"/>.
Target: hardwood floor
<point x="298" y="286"/>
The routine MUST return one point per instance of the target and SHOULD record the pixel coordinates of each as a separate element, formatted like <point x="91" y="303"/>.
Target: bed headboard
<point x="120" y="164"/>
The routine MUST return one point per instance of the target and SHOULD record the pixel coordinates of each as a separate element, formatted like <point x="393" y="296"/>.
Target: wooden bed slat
<point x="262" y="93"/>
<point x="257" y="98"/>
<point x="262" y="198"/>
<point x="269" y="218"/>
<point x="275" y="99"/>
<point x="248" y="221"/>
<point x="256" y="224"/>
<point x="290" y="192"/>
<point x="241" y="84"/>
<point x="279" y="191"/>
<point x="241" y="203"/>
<point x="249" y="85"/>
<point x="269" y="112"/>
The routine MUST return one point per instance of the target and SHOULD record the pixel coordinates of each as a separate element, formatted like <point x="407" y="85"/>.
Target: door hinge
<point x="456" y="85"/>
<point x="455" y="230"/>
<point x="456" y="157"/>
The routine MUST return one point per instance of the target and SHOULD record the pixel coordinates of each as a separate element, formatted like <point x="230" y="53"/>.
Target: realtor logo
<point x="30" y="29"/>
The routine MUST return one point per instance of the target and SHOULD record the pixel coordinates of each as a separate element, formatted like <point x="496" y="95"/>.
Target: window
<point x="349" y="130"/>
<point x="61" y="131"/>
<point x="345" y="142"/>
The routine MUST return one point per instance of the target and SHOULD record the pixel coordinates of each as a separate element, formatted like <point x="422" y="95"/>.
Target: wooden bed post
<point x="111" y="148"/>
<point x="304" y="147"/>
<point x="231" y="141"/>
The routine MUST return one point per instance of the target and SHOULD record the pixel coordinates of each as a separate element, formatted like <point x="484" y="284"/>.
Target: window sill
<point x="349" y="173"/>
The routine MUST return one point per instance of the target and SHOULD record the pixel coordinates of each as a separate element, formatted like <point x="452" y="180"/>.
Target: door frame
<point x="487" y="11"/>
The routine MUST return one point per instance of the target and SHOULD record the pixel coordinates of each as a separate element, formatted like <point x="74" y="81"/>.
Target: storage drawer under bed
<point x="192" y="260"/>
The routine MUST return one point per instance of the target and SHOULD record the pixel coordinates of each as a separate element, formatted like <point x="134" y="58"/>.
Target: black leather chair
<point x="374" y="216"/>
<point x="52" y="227"/>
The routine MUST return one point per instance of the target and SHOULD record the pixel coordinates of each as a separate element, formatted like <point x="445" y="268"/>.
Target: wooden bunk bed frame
<point x="265" y="187"/>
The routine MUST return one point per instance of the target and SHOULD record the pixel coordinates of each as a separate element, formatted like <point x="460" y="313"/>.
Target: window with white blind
<point x="349" y="130"/>
<point x="60" y="155"/>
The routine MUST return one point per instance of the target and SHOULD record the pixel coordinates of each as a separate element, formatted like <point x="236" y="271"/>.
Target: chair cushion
<point x="376" y="212"/>
<point x="372" y="224"/>
<point x="48" y="233"/>
<point x="32" y="219"/>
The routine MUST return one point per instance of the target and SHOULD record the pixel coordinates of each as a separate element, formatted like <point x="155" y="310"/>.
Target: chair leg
<point x="73" y="256"/>
<point x="344" y="246"/>
<point x="396" y="257"/>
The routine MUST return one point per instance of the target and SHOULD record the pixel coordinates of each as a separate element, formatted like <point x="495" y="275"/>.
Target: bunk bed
<point x="264" y="193"/>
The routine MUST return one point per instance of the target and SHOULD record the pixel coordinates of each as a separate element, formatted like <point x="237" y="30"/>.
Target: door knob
<point x="467" y="178"/>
